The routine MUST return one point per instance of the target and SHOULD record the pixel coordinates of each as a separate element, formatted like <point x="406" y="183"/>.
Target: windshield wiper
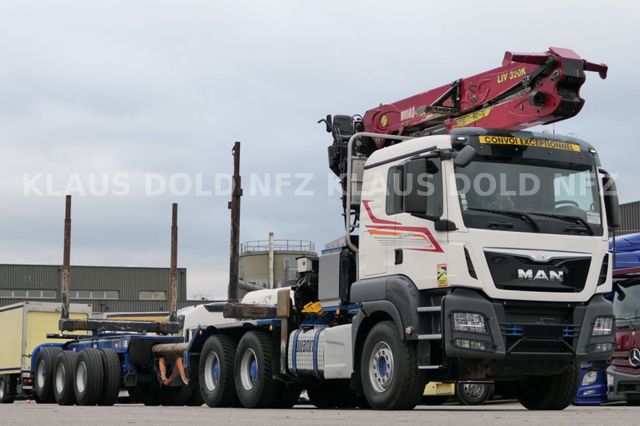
<point x="521" y="215"/>
<point x="578" y="219"/>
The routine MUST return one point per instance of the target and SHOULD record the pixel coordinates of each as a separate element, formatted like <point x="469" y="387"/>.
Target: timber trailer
<point x="96" y="359"/>
<point x="439" y="278"/>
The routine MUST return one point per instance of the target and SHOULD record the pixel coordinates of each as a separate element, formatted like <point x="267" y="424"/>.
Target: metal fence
<point x="278" y="245"/>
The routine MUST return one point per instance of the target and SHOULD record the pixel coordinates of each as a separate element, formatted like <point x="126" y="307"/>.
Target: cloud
<point x="166" y="87"/>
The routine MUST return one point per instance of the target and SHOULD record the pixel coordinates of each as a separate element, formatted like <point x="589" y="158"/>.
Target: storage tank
<point x="271" y="263"/>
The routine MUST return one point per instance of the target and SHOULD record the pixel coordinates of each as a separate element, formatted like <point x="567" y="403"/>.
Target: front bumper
<point x="528" y="330"/>
<point x="622" y="385"/>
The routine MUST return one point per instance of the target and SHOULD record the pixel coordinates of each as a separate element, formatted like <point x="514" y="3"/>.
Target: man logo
<point x="540" y="274"/>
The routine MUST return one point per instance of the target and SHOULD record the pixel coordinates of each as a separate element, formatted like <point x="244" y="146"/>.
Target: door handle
<point x="399" y="256"/>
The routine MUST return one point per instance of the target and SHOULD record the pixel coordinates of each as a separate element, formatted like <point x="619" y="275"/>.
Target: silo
<point x="257" y="258"/>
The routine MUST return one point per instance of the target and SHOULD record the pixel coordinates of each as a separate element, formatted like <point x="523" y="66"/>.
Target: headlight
<point x="589" y="378"/>
<point x="602" y="326"/>
<point x="469" y="322"/>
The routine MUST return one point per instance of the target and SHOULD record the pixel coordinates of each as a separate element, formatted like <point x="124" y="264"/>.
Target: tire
<point x="473" y="393"/>
<point x="389" y="370"/>
<point x="254" y="381"/>
<point x="64" y="375"/>
<point x="112" y="378"/>
<point x="89" y="377"/>
<point x="6" y="396"/>
<point x="43" y="380"/>
<point x="554" y="392"/>
<point x="215" y="372"/>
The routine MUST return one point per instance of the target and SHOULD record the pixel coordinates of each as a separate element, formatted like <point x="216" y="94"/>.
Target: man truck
<point x="474" y="251"/>
<point x="443" y="276"/>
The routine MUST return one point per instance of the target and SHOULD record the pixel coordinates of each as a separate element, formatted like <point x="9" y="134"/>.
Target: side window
<point x="394" y="190"/>
<point x="430" y="183"/>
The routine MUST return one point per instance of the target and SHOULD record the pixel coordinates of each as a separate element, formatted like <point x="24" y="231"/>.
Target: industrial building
<point x="630" y="215"/>
<point x="107" y="288"/>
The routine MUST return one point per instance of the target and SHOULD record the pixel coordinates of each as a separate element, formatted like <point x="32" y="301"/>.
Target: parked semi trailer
<point x="23" y="332"/>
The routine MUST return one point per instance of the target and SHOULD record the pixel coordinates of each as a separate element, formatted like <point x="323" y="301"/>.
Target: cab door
<point x="419" y="250"/>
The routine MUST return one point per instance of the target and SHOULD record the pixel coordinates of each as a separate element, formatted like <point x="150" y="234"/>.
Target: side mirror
<point x="611" y="203"/>
<point x="464" y="156"/>
<point x="415" y="184"/>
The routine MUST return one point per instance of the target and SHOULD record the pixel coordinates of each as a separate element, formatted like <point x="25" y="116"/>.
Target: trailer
<point x="24" y="329"/>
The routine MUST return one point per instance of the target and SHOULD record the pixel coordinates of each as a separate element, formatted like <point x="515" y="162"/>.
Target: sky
<point x="132" y="105"/>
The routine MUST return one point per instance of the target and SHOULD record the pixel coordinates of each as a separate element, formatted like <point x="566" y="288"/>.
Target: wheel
<point x="89" y="377"/>
<point x="554" y="392"/>
<point x="64" y="373"/>
<point x="434" y="399"/>
<point x="634" y="402"/>
<point x="112" y="377"/>
<point x="6" y="396"/>
<point x="473" y="393"/>
<point x="389" y="370"/>
<point x="215" y="372"/>
<point x="288" y="395"/>
<point x="254" y="381"/>
<point x="43" y="383"/>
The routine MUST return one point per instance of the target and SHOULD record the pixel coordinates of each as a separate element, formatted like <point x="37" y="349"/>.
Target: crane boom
<point x="528" y="89"/>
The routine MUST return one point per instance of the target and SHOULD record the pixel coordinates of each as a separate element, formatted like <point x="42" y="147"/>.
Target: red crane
<point x="528" y="89"/>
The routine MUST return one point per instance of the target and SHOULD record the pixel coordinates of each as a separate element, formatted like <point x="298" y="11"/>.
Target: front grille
<point x="513" y="272"/>
<point x="542" y="329"/>
<point x="620" y="360"/>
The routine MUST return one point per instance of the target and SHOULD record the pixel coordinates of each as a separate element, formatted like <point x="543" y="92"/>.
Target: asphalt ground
<point x="509" y="413"/>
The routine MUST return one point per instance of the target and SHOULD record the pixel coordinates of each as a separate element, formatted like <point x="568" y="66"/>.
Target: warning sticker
<point x="442" y="275"/>
<point x="539" y="143"/>
<point x="471" y="118"/>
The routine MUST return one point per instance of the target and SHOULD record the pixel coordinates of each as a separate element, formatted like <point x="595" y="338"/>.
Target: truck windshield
<point x="626" y="302"/>
<point x="527" y="195"/>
